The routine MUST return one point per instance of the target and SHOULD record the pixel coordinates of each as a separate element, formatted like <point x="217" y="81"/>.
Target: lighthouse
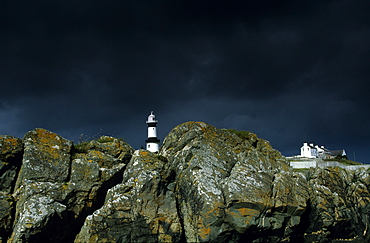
<point x="152" y="143"/>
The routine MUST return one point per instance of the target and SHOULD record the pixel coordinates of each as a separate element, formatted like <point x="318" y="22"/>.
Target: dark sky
<point x="289" y="71"/>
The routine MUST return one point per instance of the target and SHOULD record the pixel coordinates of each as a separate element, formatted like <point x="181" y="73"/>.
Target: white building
<point x="314" y="151"/>
<point x="152" y="143"/>
<point x="309" y="151"/>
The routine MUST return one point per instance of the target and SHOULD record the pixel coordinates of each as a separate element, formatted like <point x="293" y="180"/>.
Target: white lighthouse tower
<point x="152" y="143"/>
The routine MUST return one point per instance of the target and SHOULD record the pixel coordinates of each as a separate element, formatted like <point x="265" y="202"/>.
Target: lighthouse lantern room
<point x="152" y="143"/>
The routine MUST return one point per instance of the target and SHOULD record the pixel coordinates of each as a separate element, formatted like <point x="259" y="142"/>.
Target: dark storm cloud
<point x="289" y="71"/>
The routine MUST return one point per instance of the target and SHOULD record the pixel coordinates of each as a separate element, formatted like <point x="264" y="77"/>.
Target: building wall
<point x="152" y="132"/>
<point x="322" y="164"/>
<point x="152" y="147"/>
<point x="308" y="151"/>
<point x="303" y="164"/>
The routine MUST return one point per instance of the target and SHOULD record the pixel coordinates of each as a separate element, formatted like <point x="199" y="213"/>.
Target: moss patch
<point x="242" y="134"/>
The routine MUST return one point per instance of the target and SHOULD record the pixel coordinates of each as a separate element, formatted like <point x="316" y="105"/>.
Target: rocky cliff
<point x="205" y="185"/>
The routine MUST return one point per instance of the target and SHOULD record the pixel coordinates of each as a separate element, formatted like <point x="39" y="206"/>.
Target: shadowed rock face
<point x="140" y="209"/>
<point x="11" y="151"/>
<point x="205" y="185"/>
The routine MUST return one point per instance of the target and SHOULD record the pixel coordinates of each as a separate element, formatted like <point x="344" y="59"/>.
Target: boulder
<point x="59" y="185"/>
<point x="140" y="209"/>
<point x="46" y="157"/>
<point x="225" y="184"/>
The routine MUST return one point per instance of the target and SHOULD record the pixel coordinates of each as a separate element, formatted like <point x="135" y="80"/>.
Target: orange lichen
<point x="49" y="143"/>
<point x="45" y="136"/>
<point x="144" y="153"/>
<point x="161" y="218"/>
<point x="165" y="238"/>
<point x="248" y="212"/>
<point x="204" y="232"/>
<point x="11" y="141"/>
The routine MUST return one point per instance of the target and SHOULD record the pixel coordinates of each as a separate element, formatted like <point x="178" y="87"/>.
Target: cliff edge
<point x="205" y="185"/>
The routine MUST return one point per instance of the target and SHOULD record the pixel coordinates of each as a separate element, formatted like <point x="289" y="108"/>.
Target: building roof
<point x="335" y="152"/>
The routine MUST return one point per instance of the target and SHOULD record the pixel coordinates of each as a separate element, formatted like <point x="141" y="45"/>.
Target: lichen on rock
<point x="58" y="187"/>
<point x="224" y="183"/>
<point x="205" y="185"/>
<point x="140" y="209"/>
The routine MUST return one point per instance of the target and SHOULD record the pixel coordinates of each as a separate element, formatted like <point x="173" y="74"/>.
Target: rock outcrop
<point x="140" y="209"/>
<point x="59" y="185"/>
<point x="205" y="185"/>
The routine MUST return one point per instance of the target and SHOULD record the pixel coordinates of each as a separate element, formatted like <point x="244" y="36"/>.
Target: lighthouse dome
<point x="151" y="118"/>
